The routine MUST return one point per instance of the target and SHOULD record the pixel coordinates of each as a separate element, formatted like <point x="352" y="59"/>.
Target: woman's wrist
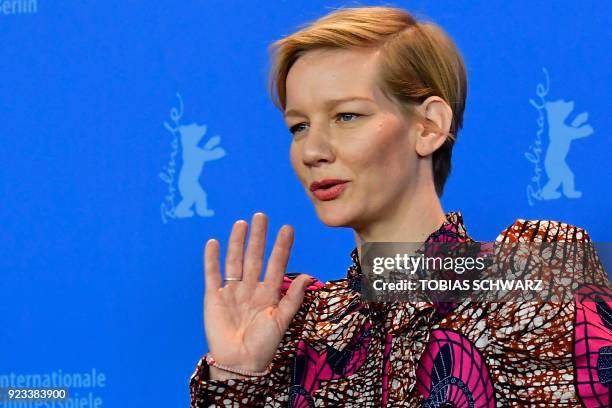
<point x="218" y="374"/>
<point x="222" y="371"/>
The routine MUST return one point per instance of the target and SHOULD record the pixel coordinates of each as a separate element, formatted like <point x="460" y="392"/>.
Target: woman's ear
<point x="438" y="115"/>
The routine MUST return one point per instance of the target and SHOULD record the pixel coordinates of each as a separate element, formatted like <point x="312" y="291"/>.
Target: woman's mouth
<point x="326" y="190"/>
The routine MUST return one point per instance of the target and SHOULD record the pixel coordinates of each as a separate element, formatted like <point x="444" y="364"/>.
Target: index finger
<point x="212" y="270"/>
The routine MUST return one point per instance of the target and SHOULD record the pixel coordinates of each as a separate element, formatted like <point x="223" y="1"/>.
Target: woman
<point x="374" y="101"/>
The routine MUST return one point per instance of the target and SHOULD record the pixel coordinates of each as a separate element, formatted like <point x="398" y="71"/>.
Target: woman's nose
<point x="317" y="148"/>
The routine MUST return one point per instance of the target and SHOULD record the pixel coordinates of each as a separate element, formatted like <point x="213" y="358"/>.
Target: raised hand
<point x="245" y="319"/>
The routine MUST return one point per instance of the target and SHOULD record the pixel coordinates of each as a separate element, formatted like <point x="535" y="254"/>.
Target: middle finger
<point x="256" y="248"/>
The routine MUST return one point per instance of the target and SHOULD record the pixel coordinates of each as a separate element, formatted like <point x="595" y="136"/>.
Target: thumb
<point x="291" y="302"/>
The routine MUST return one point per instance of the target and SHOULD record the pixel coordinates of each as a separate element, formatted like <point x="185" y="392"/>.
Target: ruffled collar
<point x="452" y="230"/>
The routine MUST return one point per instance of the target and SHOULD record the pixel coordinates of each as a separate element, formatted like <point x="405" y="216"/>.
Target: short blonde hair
<point x="417" y="60"/>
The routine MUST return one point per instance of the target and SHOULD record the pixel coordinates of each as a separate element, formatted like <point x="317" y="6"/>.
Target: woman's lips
<point x="330" y="193"/>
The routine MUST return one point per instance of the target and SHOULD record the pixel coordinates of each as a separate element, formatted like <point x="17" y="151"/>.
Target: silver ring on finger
<point x="232" y="279"/>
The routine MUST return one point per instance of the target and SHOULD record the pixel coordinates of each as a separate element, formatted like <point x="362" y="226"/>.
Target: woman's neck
<point x="413" y="222"/>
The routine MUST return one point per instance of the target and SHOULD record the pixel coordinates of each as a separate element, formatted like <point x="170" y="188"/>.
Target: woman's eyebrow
<point x="329" y="104"/>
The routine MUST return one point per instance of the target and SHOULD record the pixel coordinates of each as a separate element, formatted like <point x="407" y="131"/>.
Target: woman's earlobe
<point x="423" y="147"/>
<point x="429" y="142"/>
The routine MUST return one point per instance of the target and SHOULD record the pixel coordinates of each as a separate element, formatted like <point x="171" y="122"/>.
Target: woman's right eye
<point x="297" y="128"/>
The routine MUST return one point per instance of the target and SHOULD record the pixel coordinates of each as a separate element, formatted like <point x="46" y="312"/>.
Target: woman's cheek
<point x="295" y="162"/>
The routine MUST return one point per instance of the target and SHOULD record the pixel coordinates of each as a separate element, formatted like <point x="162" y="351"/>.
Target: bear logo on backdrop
<point x="186" y="139"/>
<point x="560" y="138"/>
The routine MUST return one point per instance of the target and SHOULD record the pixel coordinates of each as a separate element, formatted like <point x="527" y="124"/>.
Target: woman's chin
<point x="334" y="218"/>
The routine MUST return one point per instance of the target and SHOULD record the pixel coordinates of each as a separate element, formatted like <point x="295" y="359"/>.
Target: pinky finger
<point x="212" y="270"/>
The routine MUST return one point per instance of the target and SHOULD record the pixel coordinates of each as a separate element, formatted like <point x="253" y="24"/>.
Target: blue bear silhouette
<point x="194" y="158"/>
<point x="560" y="137"/>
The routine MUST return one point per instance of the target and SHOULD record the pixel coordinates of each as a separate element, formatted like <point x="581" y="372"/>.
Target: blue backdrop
<point x="109" y="109"/>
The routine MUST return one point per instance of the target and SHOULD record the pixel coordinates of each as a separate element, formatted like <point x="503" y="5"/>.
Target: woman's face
<point x="345" y="130"/>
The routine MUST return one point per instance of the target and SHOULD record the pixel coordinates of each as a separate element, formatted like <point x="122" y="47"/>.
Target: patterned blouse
<point x="342" y="352"/>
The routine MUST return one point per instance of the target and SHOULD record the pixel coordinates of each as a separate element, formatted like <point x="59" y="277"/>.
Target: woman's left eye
<point x="347" y="116"/>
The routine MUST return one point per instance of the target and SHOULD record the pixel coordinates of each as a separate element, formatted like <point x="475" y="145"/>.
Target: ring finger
<point x="235" y="250"/>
